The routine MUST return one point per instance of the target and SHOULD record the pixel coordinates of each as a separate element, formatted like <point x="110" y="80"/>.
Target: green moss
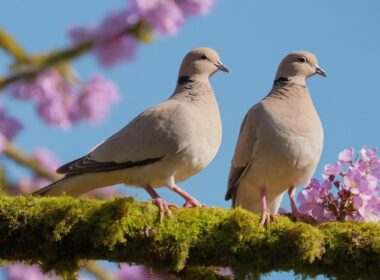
<point x="56" y="232"/>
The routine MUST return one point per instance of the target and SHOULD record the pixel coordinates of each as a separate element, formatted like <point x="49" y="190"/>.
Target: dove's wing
<point x="243" y="155"/>
<point x="148" y="138"/>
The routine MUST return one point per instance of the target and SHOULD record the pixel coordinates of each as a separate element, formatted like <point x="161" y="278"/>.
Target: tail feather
<point x="78" y="184"/>
<point x="52" y="188"/>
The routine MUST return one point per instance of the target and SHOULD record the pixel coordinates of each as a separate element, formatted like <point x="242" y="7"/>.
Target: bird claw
<point x="164" y="207"/>
<point x="267" y="218"/>
<point x="192" y="202"/>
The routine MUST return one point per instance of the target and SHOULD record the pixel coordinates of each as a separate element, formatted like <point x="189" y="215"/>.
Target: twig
<point x="97" y="270"/>
<point x="42" y="62"/>
<point x="22" y="158"/>
<point x="11" y="46"/>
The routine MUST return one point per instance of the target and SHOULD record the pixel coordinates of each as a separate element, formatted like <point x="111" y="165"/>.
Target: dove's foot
<point x="267" y="218"/>
<point x="163" y="206"/>
<point x="190" y="201"/>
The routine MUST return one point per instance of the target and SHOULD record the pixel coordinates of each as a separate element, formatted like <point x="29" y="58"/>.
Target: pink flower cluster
<point x="9" y="127"/>
<point x="350" y="190"/>
<point x="112" y="41"/>
<point x="61" y="102"/>
<point x="137" y="272"/>
<point x="19" y="271"/>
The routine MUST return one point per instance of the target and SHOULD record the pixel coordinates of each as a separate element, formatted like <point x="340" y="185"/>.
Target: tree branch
<point x="142" y="31"/>
<point x="8" y="44"/>
<point x="97" y="270"/>
<point x="56" y="232"/>
<point x="20" y="157"/>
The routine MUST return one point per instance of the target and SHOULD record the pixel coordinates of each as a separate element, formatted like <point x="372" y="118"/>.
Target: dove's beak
<point x="320" y="71"/>
<point x="221" y="66"/>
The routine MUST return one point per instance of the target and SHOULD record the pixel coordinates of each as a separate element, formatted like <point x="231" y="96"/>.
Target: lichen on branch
<point x="56" y="232"/>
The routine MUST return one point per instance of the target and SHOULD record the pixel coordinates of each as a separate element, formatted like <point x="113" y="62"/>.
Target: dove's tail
<point x="60" y="187"/>
<point x="74" y="185"/>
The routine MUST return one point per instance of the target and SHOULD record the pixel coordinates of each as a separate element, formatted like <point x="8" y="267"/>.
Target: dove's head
<point x="299" y="66"/>
<point x="203" y="62"/>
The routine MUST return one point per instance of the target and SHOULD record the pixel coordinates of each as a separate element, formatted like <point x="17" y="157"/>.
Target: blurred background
<point x="251" y="37"/>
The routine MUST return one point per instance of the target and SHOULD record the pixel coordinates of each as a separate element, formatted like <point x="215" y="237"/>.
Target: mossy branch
<point x="56" y="232"/>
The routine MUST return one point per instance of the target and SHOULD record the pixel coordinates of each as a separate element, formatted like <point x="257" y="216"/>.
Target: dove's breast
<point x="285" y="154"/>
<point x="203" y="136"/>
<point x="296" y="142"/>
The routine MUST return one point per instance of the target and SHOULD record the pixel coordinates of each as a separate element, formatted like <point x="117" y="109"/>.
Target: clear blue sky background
<point x="252" y="37"/>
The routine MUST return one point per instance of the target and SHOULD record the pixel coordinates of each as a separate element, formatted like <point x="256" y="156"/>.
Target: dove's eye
<point x="302" y="59"/>
<point x="203" y="57"/>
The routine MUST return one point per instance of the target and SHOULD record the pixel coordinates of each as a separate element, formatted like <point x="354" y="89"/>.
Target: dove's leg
<point x="163" y="206"/>
<point x="190" y="201"/>
<point x="292" y="193"/>
<point x="295" y="213"/>
<point x="266" y="216"/>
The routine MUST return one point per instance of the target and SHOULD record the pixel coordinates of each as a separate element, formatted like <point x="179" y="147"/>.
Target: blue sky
<point x="251" y="37"/>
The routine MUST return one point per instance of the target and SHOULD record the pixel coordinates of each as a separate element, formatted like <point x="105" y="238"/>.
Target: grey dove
<point x="280" y="141"/>
<point x="164" y="145"/>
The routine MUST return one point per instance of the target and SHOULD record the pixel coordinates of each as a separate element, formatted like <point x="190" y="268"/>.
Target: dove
<point x="162" y="146"/>
<point x="280" y="142"/>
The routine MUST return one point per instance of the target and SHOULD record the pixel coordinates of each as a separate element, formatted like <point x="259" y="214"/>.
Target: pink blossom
<point x="312" y="199"/>
<point x="61" y="102"/>
<point x="112" y="43"/>
<point x="55" y="111"/>
<point x="2" y="143"/>
<point x="358" y="187"/>
<point x="375" y="172"/>
<point x="164" y="15"/>
<point x="368" y="154"/>
<point x="20" y="271"/>
<point x="352" y="180"/>
<point x="194" y="7"/>
<point x="9" y="126"/>
<point x="346" y="155"/>
<point x="116" y="24"/>
<point x="139" y="272"/>
<point x="111" y="51"/>
<point x="331" y="171"/>
<point x="226" y="271"/>
<point x="367" y="207"/>
<point x="112" y="40"/>
<point x="96" y="97"/>
<point x="79" y="34"/>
